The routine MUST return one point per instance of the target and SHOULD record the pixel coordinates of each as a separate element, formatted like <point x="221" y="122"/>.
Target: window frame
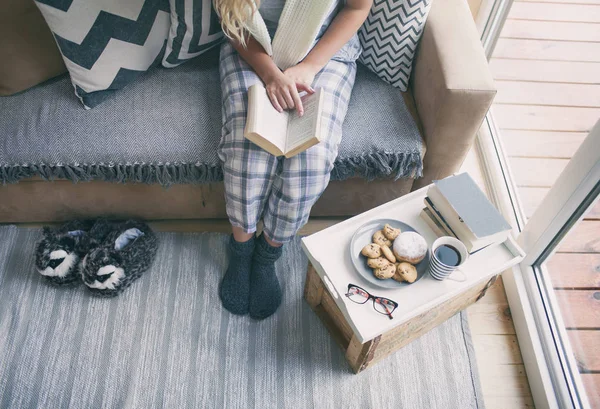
<point x="545" y="347"/>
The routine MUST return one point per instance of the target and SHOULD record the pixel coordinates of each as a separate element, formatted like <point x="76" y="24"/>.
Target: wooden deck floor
<point x="547" y="70"/>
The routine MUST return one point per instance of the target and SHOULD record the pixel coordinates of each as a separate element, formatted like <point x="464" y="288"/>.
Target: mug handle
<point x="464" y="277"/>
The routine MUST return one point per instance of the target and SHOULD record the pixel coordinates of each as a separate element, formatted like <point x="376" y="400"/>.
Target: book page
<point x="301" y="129"/>
<point x="264" y="121"/>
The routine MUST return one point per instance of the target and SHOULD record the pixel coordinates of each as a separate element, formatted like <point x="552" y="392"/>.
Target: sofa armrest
<point x="452" y="87"/>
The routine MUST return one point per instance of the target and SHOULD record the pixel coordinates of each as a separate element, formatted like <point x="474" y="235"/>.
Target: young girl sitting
<point x="314" y="46"/>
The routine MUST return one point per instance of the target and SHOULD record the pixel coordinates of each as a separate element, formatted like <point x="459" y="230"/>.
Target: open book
<point x="283" y="133"/>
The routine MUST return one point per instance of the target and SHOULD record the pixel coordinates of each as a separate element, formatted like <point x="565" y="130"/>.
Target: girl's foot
<point x="265" y="291"/>
<point x="235" y="286"/>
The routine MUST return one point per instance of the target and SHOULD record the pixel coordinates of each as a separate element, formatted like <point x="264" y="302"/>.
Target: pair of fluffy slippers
<point x="106" y="255"/>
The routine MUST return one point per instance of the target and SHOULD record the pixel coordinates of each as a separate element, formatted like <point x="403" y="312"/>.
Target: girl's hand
<point x="283" y="93"/>
<point x="303" y="76"/>
<point x="283" y="88"/>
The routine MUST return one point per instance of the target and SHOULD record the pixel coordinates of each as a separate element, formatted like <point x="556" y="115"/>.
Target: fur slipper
<point x="124" y="254"/>
<point x="58" y="254"/>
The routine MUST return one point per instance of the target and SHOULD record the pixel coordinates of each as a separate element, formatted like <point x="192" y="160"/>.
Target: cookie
<point x="379" y="238"/>
<point x="390" y="233"/>
<point x="410" y="247"/>
<point x="397" y="276"/>
<point x="385" y="272"/>
<point x="371" y="250"/>
<point x="405" y="272"/>
<point x="378" y="262"/>
<point x="387" y="253"/>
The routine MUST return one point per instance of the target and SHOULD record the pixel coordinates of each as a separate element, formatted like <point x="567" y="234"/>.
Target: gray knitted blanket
<point x="165" y="128"/>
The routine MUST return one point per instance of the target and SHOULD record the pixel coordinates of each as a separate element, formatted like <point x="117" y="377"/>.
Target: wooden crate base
<point x="361" y="356"/>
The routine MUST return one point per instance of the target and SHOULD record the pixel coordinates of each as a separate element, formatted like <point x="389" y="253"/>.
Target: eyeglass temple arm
<point x="388" y="312"/>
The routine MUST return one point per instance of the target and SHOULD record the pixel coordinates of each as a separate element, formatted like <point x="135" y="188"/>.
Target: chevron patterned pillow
<point x="106" y="44"/>
<point x="195" y="29"/>
<point x="389" y="38"/>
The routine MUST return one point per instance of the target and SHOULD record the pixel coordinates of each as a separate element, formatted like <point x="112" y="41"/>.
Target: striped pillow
<point x="106" y="44"/>
<point x="389" y="38"/>
<point x="195" y="28"/>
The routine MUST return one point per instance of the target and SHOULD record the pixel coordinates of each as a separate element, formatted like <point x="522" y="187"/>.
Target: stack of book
<point x="456" y="207"/>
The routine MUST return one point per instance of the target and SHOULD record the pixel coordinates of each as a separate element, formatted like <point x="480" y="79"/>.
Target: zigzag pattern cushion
<point x="195" y="29"/>
<point x="106" y="44"/>
<point x="389" y="38"/>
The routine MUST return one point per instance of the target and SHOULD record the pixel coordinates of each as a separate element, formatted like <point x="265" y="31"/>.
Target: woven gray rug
<point x="166" y="342"/>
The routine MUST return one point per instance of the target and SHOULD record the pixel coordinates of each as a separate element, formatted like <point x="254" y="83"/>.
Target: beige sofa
<point x="451" y="91"/>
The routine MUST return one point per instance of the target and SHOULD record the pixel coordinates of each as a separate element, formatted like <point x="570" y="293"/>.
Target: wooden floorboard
<point x="555" y="12"/>
<point x="542" y="93"/>
<point x="503" y="402"/>
<point x="560" y="1"/>
<point x="495" y="295"/>
<point x="580" y="309"/>
<point x="505" y="386"/>
<point x="594" y="212"/>
<point x="545" y="71"/>
<point x="542" y="144"/>
<point x="547" y="50"/>
<point x="498" y="349"/>
<point x="491" y="319"/>
<point x="536" y="172"/>
<point x="551" y="30"/>
<point x="574" y="271"/>
<point x="584" y="238"/>
<point x="531" y="198"/>
<point x="585" y="348"/>
<point x="544" y="118"/>
<point x="591" y="384"/>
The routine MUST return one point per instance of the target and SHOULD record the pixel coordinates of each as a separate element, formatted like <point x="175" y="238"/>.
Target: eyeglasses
<point x="382" y="305"/>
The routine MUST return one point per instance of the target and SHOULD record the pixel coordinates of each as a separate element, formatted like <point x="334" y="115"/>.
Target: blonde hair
<point x="234" y="15"/>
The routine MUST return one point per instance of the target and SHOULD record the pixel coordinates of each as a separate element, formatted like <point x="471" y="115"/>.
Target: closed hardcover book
<point x="467" y="211"/>
<point x="437" y="217"/>
<point x="433" y="224"/>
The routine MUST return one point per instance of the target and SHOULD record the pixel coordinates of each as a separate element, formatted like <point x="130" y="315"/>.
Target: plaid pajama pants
<point x="258" y="185"/>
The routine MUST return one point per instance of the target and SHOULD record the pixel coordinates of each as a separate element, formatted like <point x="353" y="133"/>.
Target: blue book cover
<point x="471" y="205"/>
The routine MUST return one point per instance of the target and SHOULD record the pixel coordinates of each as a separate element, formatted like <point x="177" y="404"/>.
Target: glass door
<point x="542" y="157"/>
<point x="562" y="242"/>
<point x="570" y="278"/>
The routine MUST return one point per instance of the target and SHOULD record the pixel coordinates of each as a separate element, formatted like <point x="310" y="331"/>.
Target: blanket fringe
<point x="369" y="166"/>
<point x="379" y="165"/>
<point x="164" y="174"/>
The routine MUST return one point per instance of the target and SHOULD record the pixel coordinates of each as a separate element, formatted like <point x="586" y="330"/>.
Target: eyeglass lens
<point x="384" y="306"/>
<point x="358" y="295"/>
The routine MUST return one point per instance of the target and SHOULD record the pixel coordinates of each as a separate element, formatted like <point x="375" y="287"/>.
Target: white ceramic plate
<point x="363" y="236"/>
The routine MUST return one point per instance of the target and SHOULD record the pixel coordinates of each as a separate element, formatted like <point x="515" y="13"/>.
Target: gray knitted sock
<point x="265" y="291"/>
<point x="235" y="286"/>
